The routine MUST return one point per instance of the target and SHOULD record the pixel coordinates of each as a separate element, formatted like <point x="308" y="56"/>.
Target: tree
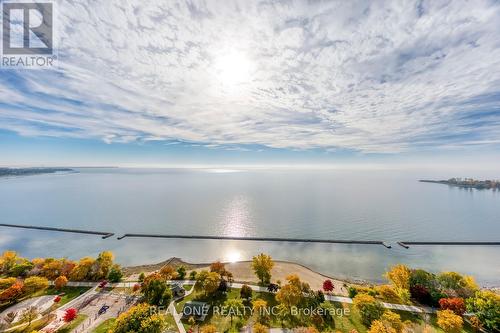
<point x="34" y="284"/>
<point x="12" y="293"/>
<point x="262" y="266"/>
<point x="421" y="294"/>
<point x="115" y="273"/>
<point x="139" y="318"/>
<point x="7" y="282"/>
<point x="156" y="290"/>
<point x="7" y="261"/>
<point x="449" y="321"/>
<point x="423" y="278"/>
<point x="167" y="271"/>
<point x="291" y="294"/>
<point x="60" y="282"/>
<point x="234" y="306"/>
<point x="181" y="271"/>
<point x="51" y="268"/>
<point x="21" y="269"/>
<point x="259" y="328"/>
<point x="486" y="306"/>
<point x="399" y="276"/>
<point x="102" y="265"/>
<point x="70" y="315"/>
<point x="82" y="270"/>
<point x="207" y="282"/>
<point x="388" y="294"/>
<point x="218" y="267"/>
<point x="29" y="314"/>
<point x="208" y="329"/>
<point x="141" y="277"/>
<point x="328" y="285"/>
<point x="246" y="292"/>
<point x="378" y="326"/>
<point x="369" y="308"/>
<point x="455" y="304"/>
<point x="192" y="275"/>
<point x="259" y="308"/>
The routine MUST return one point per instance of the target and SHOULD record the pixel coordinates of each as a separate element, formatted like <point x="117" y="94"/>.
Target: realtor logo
<point x="27" y="34"/>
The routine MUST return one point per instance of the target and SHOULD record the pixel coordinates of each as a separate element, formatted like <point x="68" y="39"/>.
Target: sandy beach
<point x="242" y="272"/>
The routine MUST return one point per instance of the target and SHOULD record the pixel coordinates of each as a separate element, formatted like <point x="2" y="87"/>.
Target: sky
<point x="162" y="83"/>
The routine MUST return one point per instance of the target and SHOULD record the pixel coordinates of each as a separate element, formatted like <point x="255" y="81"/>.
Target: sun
<point x="233" y="256"/>
<point x="233" y="68"/>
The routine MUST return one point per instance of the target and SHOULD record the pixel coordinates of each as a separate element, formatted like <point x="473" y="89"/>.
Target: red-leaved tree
<point x="328" y="285"/>
<point x="70" y="315"/>
<point x="12" y="293"/>
<point x="455" y="304"/>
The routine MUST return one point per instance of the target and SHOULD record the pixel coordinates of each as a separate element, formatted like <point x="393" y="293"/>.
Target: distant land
<point x="4" y="172"/>
<point x="467" y="183"/>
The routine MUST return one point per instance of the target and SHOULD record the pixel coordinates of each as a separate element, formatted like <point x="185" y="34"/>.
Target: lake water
<point x="368" y="205"/>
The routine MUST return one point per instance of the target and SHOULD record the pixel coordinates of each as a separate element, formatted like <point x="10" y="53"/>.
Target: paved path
<point x="176" y="315"/>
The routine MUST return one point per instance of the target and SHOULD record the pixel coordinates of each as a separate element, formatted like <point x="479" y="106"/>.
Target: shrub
<point x="70" y="315"/>
<point x="449" y="321"/>
<point x="60" y="282"/>
<point x="455" y="304"/>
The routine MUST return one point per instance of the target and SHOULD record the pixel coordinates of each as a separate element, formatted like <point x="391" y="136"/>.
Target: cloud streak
<point x="363" y="76"/>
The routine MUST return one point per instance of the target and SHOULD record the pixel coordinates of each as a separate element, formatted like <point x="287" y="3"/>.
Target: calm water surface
<point x="369" y="205"/>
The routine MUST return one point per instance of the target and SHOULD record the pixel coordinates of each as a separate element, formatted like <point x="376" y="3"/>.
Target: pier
<point x="75" y="231"/>
<point x="261" y="239"/>
<point x="406" y="245"/>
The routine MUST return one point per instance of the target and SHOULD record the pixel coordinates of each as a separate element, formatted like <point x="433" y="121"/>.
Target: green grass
<point x="35" y="325"/>
<point x="70" y="293"/>
<point x="74" y="324"/>
<point x="187" y="287"/>
<point x="105" y="326"/>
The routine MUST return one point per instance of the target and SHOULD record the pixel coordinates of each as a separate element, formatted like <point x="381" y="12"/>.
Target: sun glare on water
<point x="233" y="256"/>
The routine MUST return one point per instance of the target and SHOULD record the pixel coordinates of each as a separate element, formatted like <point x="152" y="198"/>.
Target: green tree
<point x="246" y="292"/>
<point x="115" y="273"/>
<point x="103" y="265"/>
<point x="156" y="290"/>
<point x="207" y="282"/>
<point x="262" y="266"/>
<point x="181" y="271"/>
<point x="486" y="306"/>
<point x="234" y="307"/>
<point x="369" y="308"/>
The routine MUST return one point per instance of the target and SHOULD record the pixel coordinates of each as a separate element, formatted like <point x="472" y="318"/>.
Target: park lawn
<point x="35" y="325"/>
<point x="171" y="325"/>
<point x="126" y="291"/>
<point x="105" y="326"/>
<point x="187" y="287"/>
<point x="74" y="324"/>
<point x="70" y="293"/>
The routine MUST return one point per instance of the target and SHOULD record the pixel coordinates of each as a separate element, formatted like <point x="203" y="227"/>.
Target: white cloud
<point x="368" y="76"/>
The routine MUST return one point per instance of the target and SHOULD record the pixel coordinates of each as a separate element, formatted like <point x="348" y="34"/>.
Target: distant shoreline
<point x="467" y="183"/>
<point x="19" y="172"/>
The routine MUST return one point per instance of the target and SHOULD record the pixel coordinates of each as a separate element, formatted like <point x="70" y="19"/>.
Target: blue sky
<point x="260" y="82"/>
